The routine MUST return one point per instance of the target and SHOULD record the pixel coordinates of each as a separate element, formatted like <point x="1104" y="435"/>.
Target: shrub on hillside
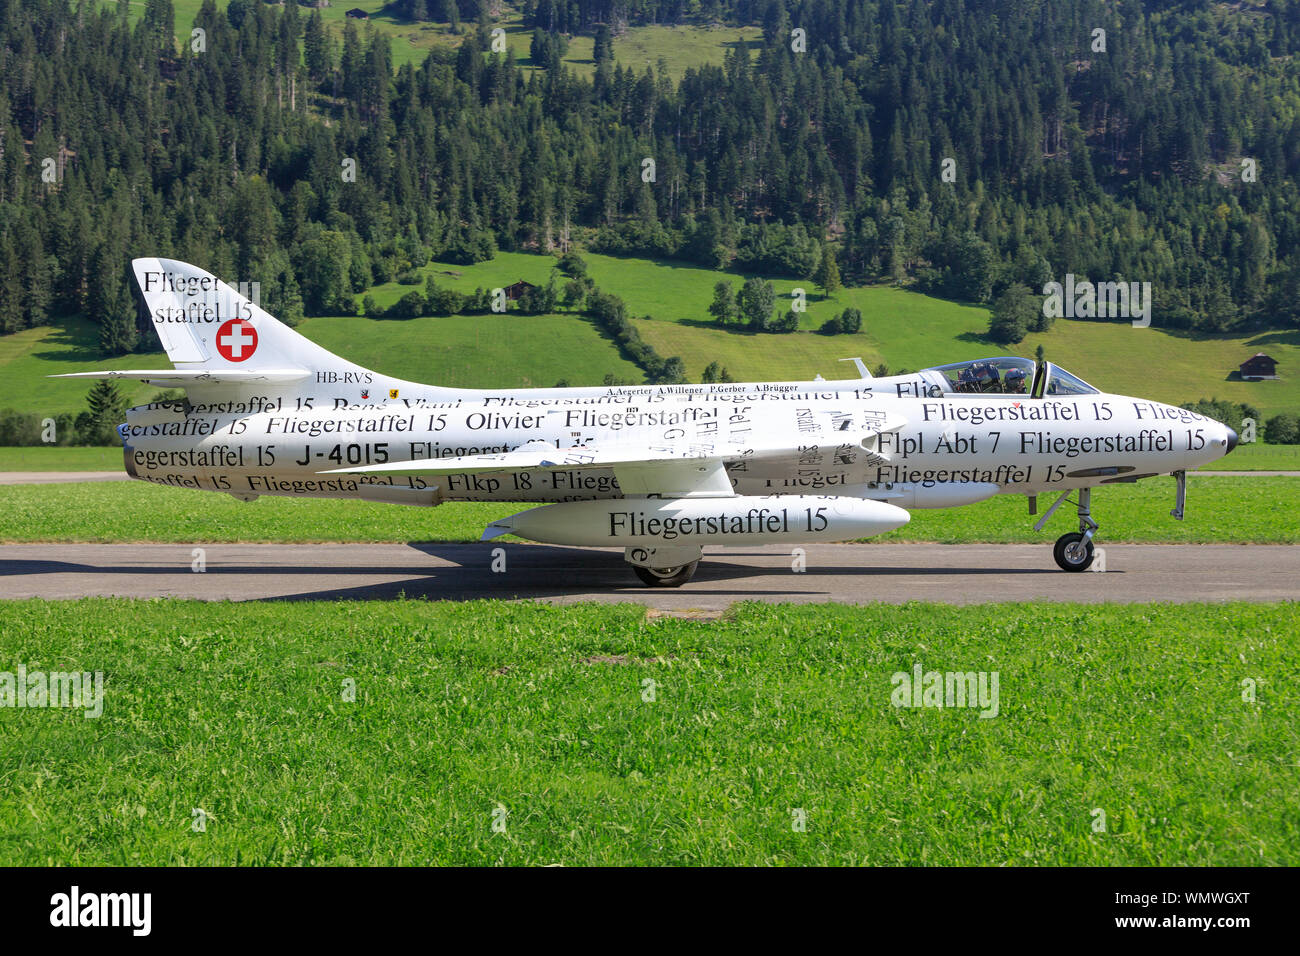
<point x="1232" y="414"/>
<point x="409" y="306"/>
<point x="1283" y="430"/>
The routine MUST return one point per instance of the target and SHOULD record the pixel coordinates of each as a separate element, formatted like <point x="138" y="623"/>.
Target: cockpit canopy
<point x="1008" y="375"/>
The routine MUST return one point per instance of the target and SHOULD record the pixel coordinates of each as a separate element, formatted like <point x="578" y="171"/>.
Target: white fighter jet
<point x="660" y="471"/>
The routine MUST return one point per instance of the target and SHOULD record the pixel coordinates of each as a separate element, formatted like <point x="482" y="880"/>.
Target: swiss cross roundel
<point x="236" y="340"/>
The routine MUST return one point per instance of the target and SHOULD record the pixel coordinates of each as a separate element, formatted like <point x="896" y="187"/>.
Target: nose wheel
<point x="1074" y="551"/>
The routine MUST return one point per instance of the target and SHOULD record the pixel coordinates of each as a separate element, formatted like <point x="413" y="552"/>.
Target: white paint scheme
<point x="283" y="416"/>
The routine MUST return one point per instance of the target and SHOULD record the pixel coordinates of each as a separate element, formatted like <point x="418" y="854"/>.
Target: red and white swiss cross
<point x="236" y="340"/>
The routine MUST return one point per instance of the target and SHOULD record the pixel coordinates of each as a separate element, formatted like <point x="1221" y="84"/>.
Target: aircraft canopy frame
<point x="1008" y="375"/>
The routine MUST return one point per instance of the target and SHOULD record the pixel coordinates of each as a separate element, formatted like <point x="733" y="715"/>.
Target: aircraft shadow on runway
<point x="531" y="571"/>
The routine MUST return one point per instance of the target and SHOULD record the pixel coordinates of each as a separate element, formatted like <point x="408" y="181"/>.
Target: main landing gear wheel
<point x="666" y="577"/>
<point x="1073" y="552"/>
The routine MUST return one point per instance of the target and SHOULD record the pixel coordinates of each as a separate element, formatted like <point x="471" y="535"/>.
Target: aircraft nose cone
<point x="1232" y="439"/>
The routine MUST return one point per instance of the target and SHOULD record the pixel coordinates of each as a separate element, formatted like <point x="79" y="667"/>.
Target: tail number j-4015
<point x="354" y="454"/>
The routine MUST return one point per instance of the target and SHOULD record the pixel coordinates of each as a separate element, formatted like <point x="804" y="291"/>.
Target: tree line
<point x="962" y="147"/>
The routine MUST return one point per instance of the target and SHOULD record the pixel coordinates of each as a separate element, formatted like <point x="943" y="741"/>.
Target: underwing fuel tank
<point x="657" y="522"/>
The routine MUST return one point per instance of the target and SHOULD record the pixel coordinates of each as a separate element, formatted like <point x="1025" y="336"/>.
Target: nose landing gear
<point x="1073" y="551"/>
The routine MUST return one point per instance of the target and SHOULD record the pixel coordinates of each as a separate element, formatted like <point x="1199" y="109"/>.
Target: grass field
<point x="470" y="351"/>
<point x="544" y="719"/>
<point x="53" y="458"/>
<point x="481" y="351"/>
<point x="1229" y="509"/>
<point x="901" y="328"/>
<point x="676" y="47"/>
<point x="28" y="357"/>
<point x="907" y="330"/>
<point x="1259" y="457"/>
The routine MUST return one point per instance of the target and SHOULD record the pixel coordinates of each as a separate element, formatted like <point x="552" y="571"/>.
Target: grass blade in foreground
<point x="545" y="719"/>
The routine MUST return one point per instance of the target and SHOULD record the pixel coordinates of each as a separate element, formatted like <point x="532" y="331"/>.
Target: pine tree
<point x="828" y="272"/>
<point x="603" y="48"/>
<point x="11" y="288"/>
<point x="317" y="49"/>
<point x="111" y="304"/>
<point x="107" y="409"/>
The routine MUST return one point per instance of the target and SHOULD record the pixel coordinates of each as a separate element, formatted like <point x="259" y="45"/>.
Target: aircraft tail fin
<point x="217" y="336"/>
<point x="206" y="324"/>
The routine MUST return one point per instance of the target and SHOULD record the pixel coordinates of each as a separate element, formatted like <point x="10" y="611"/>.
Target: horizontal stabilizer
<point x="179" y="378"/>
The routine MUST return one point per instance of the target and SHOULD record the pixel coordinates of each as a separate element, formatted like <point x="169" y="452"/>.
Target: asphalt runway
<point x="69" y="477"/>
<point x="857" y="573"/>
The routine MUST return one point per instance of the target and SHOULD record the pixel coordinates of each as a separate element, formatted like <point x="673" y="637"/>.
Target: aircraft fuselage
<point x="790" y="439"/>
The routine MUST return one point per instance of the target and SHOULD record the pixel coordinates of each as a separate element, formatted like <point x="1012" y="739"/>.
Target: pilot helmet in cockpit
<point x="978" y="377"/>
<point x="986" y="376"/>
<point x="1014" y="381"/>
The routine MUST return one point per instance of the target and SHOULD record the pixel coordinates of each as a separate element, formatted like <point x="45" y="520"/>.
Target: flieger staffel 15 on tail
<point x="213" y="334"/>
<point x="659" y="471"/>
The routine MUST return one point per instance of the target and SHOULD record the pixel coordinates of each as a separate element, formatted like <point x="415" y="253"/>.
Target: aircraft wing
<point x="672" y="469"/>
<point x="679" y="471"/>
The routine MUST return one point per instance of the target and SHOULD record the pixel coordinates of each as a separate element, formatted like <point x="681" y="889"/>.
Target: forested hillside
<point x="265" y="151"/>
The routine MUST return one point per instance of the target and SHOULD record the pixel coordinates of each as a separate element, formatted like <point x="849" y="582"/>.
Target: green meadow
<point x="1219" y="510"/>
<point x="28" y="357"/>
<point x="484" y="351"/>
<point x="415" y="733"/>
<point x="1259" y="457"/>
<point x="55" y="458"/>
<point x="675" y="48"/>
<point x="901" y="328"/>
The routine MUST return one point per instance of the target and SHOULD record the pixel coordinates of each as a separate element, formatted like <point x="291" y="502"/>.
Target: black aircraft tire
<point x="1069" y="562"/>
<point x="666" y="577"/>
